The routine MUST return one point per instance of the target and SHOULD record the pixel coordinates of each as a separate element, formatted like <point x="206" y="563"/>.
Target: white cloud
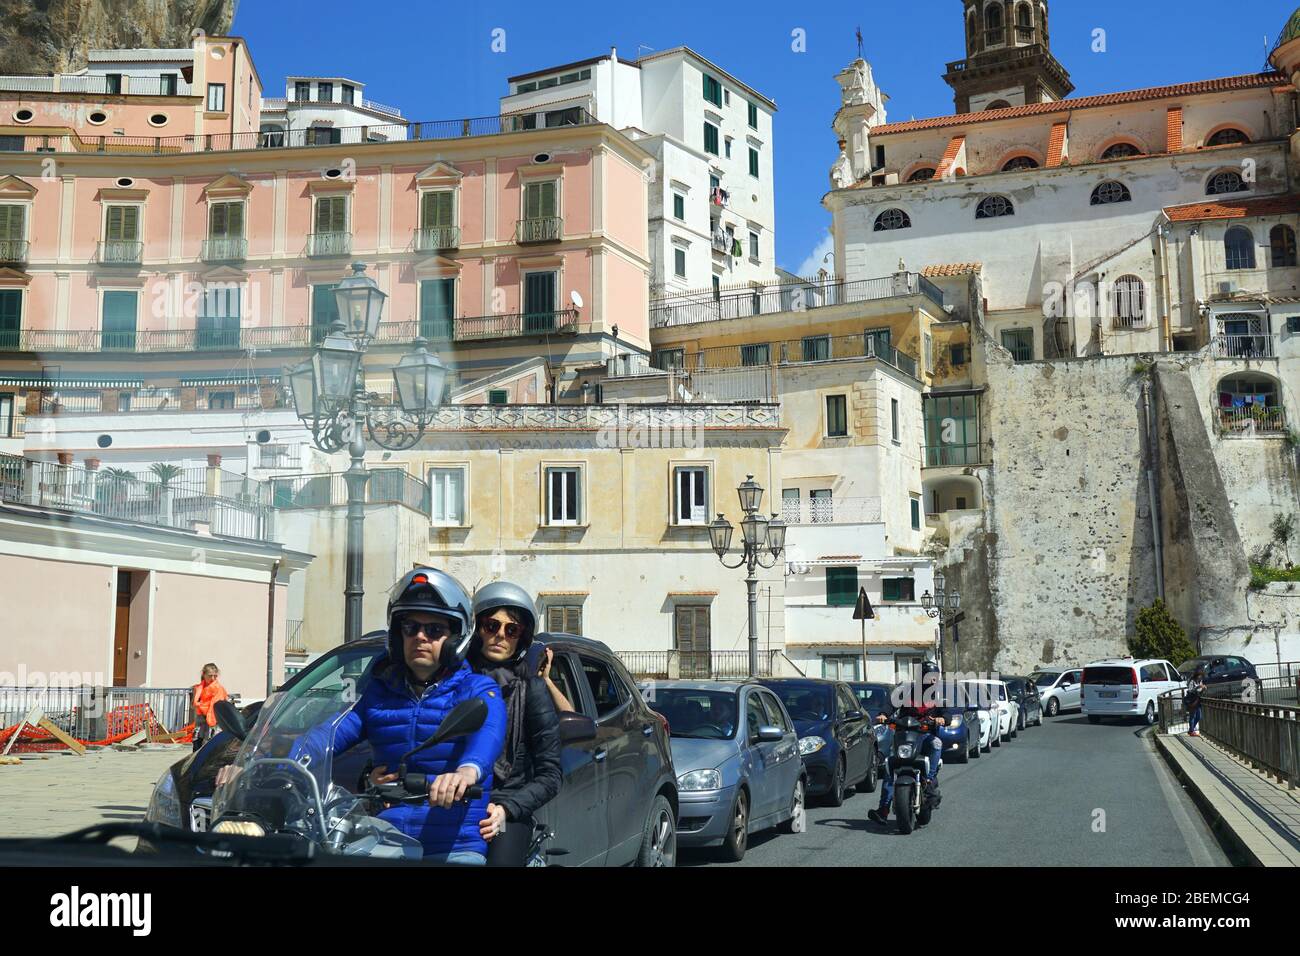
<point x="814" y="261"/>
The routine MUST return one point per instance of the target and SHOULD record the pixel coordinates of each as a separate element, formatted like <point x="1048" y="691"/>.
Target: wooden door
<point x="121" y="628"/>
<point x="693" y="645"/>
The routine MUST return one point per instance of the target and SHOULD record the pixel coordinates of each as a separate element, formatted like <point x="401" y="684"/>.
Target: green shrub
<point x="1261" y="576"/>
<point x="1157" y="634"/>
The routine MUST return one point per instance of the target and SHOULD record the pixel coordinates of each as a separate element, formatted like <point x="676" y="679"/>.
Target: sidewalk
<point x="1257" y="816"/>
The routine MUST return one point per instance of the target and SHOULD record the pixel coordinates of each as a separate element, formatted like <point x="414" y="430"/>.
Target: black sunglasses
<point x="432" y="630"/>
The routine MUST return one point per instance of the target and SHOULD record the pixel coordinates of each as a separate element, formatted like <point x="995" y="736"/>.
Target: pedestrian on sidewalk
<point x="206" y="694"/>
<point x="1192" y="701"/>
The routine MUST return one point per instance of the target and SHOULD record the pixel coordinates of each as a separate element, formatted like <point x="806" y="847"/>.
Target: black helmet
<point x="504" y="594"/>
<point x="434" y="592"/>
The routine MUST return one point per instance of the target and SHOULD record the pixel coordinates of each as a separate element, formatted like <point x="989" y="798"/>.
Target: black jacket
<point x="535" y="777"/>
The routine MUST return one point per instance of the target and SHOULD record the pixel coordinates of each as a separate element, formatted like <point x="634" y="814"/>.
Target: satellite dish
<point x="575" y="299"/>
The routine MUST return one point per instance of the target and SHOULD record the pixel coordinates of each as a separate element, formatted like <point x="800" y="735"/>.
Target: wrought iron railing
<point x="831" y="511"/>
<point x="329" y="244"/>
<point x="437" y="238"/>
<point x="1252" y="420"/>
<point x="293" y="638"/>
<point x="120" y="252"/>
<point x="674" y="664"/>
<point x="1245" y="346"/>
<point x="14" y="250"/>
<point x="224" y="249"/>
<point x="545" y="229"/>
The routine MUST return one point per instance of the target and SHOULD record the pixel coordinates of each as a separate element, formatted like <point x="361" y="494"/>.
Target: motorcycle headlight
<point x="810" y="745"/>
<point x="700" y="780"/>
<point x="165" y="805"/>
<point x="239" y="828"/>
<point x="905" y="751"/>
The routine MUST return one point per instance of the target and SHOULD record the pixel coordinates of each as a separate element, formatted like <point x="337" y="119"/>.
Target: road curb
<point x="1222" y="825"/>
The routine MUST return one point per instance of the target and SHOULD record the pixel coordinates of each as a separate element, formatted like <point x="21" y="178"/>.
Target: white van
<point x="1125" y="687"/>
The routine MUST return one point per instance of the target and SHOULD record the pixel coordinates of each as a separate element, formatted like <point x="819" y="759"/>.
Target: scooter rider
<point x="914" y="704"/>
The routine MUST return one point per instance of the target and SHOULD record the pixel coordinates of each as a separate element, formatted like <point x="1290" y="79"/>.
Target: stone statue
<point x="842" y="172"/>
<point x="854" y="80"/>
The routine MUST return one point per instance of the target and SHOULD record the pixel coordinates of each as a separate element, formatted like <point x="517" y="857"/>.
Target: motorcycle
<point x="282" y="781"/>
<point x="914" y="799"/>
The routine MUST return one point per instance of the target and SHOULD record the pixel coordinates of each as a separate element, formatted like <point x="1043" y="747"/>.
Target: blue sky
<point x="440" y="66"/>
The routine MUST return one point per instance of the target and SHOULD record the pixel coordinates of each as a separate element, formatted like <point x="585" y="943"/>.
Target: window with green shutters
<point x="498" y="396"/>
<point x="324" y="311"/>
<point x="119" y="320"/>
<point x="437" y="308"/>
<point x="711" y="139"/>
<point x="539" y="301"/>
<point x="898" y="589"/>
<point x="753" y="116"/>
<point x="13" y="222"/>
<point x="679" y="206"/>
<point x="753" y="162"/>
<point x="712" y="90"/>
<point x="841" y="587"/>
<point x="332" y="214"/>
<point x="541" y="200"/>
<point x="226" y="220"/>
<point x="218" y="326"/>
<point x="11" y="317"/>
<point x="436" y="210"/>
<point x="122" y="224"/>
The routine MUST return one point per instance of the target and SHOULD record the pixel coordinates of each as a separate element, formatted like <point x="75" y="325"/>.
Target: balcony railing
<point x="121" y="252"/>
<point x="116" y="401"/>
<point x="792" y="352"/>
<point x="546" y="229"/>
<point x="293" y="638"/>
<point x="14" y="251"/>
<point x="944" y="456"/>
<point x="1245" y="346"/>
<point x="96" y="84"/>
<point x="387" y="486"/>
<point x="1252" y="420"/>
<point x="321" y="244"/>
<point x="704" y="306"/>
<point x="225" y="249"/>
<point x="697" y="665"/>
<point x="831" y="511"/>
<point x="437" y="238"/>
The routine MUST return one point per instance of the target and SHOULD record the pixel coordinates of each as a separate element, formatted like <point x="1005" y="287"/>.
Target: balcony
<point x="97" y="84"/>
<point x="1245" y="346"/>
<point x="224" y="249"/>
<point x="820" y="348"/>
<point x="707" y="306"/>
<point x="120" y="252"/>
<point x="14" y="251"/>
<point x="701" y="665"/>
<point x="321" y="245"/>
<point x="387" y="486"/>
<point x="1251" y="420"/>
<point x="545" y="229"/>
<point x="293" y="638"/>
<point x="948" y="456"/>
<point x="437" y="238"/>
<point x="831" y="511"/>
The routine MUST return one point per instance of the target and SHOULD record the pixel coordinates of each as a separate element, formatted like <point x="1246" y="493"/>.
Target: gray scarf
<point x="514" y="691"/>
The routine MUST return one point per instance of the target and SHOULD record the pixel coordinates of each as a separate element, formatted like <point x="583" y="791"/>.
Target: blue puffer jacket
<point x="389" y="716"/>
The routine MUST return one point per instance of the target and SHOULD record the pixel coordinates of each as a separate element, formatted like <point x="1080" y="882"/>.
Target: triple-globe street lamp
<point x="944" y="605"/>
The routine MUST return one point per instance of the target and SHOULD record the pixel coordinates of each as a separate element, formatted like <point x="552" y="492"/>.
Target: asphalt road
<point x="1032" y="802"/>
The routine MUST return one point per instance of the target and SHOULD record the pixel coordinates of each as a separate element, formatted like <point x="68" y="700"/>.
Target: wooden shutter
<point x="841" y="587"/>
<point x="11" y="310"/>
<point x="11" y="221"/>
<point x="891" y="589"/>
<point x="566" y="619"/>
<point x="436" y="210"/>
<point x="331" y="214"/>
<point x="123" y="223"/>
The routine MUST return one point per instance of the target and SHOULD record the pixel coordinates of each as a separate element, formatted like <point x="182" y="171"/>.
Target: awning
<point x="269" y="379"/>
<point x="81" y="381"/>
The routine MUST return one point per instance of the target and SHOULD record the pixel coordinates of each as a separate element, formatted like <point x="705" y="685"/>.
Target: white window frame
<point x="755" y="245"/>
<point x="559" y="194"/>
<point x="455" y="205"/>
<point x="447" y="470"/>
<point x="826" y="415"/>
<point x="103" y="219"/>
<point x="26" y="205"/>
<point x="207" y="99"/>
<point x="207" y="228"/>
<point x="678" y="251"/>
<point x="579" y="511"/>
<point x="705" y="485"/>
<point x="347" y="210"/>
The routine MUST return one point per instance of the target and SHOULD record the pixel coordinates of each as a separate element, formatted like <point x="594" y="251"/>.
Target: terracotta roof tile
<point x="951" y="269"/>
<point x="950" y="155"/>
<point x="1056" y="145"/>
<point x="1248" y="81"/>
<point x="1174" y="130"/>
<point x="1234" y="208"/>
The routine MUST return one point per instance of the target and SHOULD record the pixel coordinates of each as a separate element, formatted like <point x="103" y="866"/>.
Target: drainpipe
<point x="270" y="630"/>
<point x="1162" y="261"/>
<point x="1153" y="464"/>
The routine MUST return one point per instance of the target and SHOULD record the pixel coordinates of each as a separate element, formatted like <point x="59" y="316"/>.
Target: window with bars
<point x="498" y="396"/>
<point x="1020" y="343"/>
<point x="564" y="619"/>
<point x="447" y="490"/>
<point x="669" y="359"/>
<point x="1226" y="182"/>
<point x="1109" y="193"/>
<point x="1239" y="248"/>
<point x="563" y="496"/>
<point x="837" y="416"/>
<point x="1128" y="302"/>
<point x="691" y="496"/>
<point x="816" y="348"/>
<point x="892" y="219"/>
<point x="994" y="207"/>
<point x="821" y="506"/>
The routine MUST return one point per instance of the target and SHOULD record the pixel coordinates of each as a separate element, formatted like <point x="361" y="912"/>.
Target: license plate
<point x="199" y="818"/>
<point x="1107" y="693"/>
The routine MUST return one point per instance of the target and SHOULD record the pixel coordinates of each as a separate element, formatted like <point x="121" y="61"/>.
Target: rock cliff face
<point x="52" y="36"/>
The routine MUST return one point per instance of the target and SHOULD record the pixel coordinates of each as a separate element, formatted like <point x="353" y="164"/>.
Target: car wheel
<point x="659" y="838"/>
<point x="1039" y="721"/>
<point x="978" y="749"/>
<point x="798" y="821"/>
<point x="1094" y="719"/>
<point x="868" y="783"/>
<point x="1053" y="707"/>
<point x="1150" y="714"/>
<point x="995" y="740"/>
<point x="835" y="796"/>
<point x="737" y="841"/>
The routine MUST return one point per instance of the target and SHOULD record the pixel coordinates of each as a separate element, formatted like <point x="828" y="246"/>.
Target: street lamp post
<point x="330" y="398"/>
<point x="944" y="605"/>
<point x="759" y="535"/>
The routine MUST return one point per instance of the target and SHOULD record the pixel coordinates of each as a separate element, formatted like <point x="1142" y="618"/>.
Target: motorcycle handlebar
<point x="418" y="783"/>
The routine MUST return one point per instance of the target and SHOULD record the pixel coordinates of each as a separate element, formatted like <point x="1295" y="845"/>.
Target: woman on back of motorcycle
<point x="528" y="771"/>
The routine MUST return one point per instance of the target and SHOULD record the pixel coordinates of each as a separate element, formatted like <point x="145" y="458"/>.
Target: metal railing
<point x="1252" y="420"/>
<point x="1267" y="736"/>
<point x="387" y="486"/>
<point x="696" y="665"/>
<point x="793" y="352"/>
<point x="293" y="639"/>
<point x="91" y="713"/>
<point x="96" y="83"/>
<point x="831" y="511"/>
<point x="545" y="229"/>
<point x="1245" y="346"/>
<point x="14" y="250"/>
<point x="437" y="238"/>
<point x="329" y="244"/>
<point x="120" y="252"/>
<point x="224" y="249"/>
<point x="944" y="456"/>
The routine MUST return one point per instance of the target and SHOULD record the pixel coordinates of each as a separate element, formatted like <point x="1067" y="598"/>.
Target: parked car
<point x="1125" y="687"/>
<point x="993" y="694"/>
<point x="1225" y="676"/>
<point x="1058" y="690"/>
<point x="877" y="700"/>
<point x="961" y="732"/>
<point x="736" y="755"/>
<point x="1025" y="693"/>
<point x="618" y="800"/>
<point x="835" y="736"/>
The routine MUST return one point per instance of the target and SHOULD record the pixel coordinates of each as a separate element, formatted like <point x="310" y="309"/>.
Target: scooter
<point x="914" y="800"/>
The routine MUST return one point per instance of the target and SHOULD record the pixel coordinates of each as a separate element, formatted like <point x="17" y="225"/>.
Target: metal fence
<point x="1267" y="736"/>
<point x="943" y="456"/>
<point x="1252" y="420"/>
<point x="696" y="665"/>
<point x="387" y="486"/>
<point x="293" y="641"/>
<point x="831" y="510"/>
<point x="792" y="352"/>
<point x="87" y="712"/>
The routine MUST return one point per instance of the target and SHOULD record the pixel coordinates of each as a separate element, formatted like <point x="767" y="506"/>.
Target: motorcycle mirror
<point x="231" y="720"/>
<point x="465" y="718"/>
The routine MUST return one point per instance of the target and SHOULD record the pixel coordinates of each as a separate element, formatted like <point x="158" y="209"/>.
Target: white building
<point x="316" y="110"/>
<point x="712" y="210"/>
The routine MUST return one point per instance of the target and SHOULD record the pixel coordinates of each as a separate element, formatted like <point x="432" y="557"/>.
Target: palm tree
<point x="115" y="475"/>
<point x="165" y="473"/>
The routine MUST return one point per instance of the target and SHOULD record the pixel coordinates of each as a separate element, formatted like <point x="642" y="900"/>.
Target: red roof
<point x="1234" y="209"/>
<point x="1056" y="146"/>
<point x="951" y="269"/>
<point x="1248" y="81"/>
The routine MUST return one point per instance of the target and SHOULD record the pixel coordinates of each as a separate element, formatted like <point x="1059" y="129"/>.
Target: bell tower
<point x="1009" y="59"/>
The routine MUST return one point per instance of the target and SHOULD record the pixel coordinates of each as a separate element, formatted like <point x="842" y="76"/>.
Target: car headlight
<point x="810" y="745"/>
<point x="700" y="780"/>
<point x="954" y="721"/>
<point x="905" y="751"/>
<point x="165" y="805"/>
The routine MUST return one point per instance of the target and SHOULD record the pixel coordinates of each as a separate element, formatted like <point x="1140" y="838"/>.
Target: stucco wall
<point x="30" y="591"/>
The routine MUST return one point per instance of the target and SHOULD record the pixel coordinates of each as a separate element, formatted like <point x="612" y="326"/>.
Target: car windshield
<point x="1188" y="668"/>
<point x="874" y="699"/>
<point x="1044" y="678"/>
<point x="805" y="702"/>
<point x="699" y="714"/>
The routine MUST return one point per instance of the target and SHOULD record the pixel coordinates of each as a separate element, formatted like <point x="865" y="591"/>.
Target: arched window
<point x="1281" y="241"/>
<point x="922" y="175"/>
<point x="892" y="219"/>
<point x="1121" y="151"/>
<point x="994" y="207"/>
<point x="1247" y="403"/>
<point x="998" y="105"/>
<point x="1128" y="302"/>
<point x="1228" y="137"/>
<point x="1024" y="24"/>
<point x="1019" y="162"/>
<point x="993" y="24"/>
<point x="1111" y="192"/>
<point x="1226" y="182"/>
<point x="1239" y="248"/>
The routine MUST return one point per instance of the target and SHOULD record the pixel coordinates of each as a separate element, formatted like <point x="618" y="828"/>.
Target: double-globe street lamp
<point x="329" y="396"/>
<point x="945" y="605"/>
<point x="758" y="535"/>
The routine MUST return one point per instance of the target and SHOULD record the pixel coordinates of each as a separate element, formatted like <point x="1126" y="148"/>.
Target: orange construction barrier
<point x="122" y="722"/>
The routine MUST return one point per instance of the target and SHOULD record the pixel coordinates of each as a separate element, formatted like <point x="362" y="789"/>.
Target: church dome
<point x="1292" y="29"/>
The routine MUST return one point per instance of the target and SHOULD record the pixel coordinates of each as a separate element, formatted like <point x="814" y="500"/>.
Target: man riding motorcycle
<point x="914" y="704"/>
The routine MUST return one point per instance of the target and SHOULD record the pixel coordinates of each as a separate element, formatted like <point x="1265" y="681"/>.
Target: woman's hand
<point x="378" y="776"/>
<point x="544" y="666"/>
<point x="450" y="787"/>
<point x="493" y="823"/>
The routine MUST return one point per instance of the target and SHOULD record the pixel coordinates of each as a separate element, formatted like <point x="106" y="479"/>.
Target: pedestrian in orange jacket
<point x="206" y="694"/>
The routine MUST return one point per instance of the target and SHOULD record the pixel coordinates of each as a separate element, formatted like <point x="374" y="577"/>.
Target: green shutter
<point x="123" y="223"/>
<point x="324" y="310"/>
<point x="437" y="307"/>
<point x="841" y="587"/>
<point x="710" y="139"/>
<point x="539" y="301"/>
<point x="11" y="221"/>
<point x="119" y="320"/>
<point x="436" y="210"/>
<point x="753" y="162"/>
<point x="11" y="317"/>
<point x="892" y="589"/>
<point x="331" y="214"/>
<point x="540" y="200"/>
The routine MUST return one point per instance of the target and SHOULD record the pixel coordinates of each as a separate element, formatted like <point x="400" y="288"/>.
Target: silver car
<point x="736" y="755"/>
<point x="1058" y="689"/>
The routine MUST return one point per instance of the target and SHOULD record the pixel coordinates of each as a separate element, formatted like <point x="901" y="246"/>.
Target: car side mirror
<point x="576" y="727"/>
<point x="231" y="720"/>
<point x="853" y="715"/>
<point x="770" y="735"/>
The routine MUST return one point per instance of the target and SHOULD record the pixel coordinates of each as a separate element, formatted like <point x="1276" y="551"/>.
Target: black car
<point x="1224" y="675"/>
<point x="877" y="701"/>
<point x="1025" y="692"/>
<point x="835" y="735"/>
<point x="618" y="801"/>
